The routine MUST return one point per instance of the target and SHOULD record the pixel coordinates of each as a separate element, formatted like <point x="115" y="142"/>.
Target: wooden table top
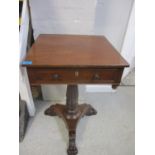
<point x="51" y="50"/>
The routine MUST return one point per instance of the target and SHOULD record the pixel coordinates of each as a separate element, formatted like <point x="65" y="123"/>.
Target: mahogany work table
<point x="72" y="60"/>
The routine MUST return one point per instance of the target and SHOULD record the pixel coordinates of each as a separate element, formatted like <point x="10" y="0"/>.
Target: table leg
<point x="115" y="86"/>
<point x="71" y="113"/>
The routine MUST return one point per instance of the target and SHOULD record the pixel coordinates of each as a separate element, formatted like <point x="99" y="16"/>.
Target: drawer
<point x="39" y="76"/>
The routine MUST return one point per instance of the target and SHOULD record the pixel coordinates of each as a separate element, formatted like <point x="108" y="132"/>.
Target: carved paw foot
<point x="50" y="111"/>
<point x="72" y="150"/>
<point x="91" y="111"/>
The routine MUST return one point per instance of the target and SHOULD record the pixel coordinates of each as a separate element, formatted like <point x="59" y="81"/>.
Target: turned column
<point x="72" y="110"/>
<point x="72" y="99"/>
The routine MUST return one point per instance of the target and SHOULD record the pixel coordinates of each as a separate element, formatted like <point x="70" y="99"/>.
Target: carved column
<point x="72" y="99"/>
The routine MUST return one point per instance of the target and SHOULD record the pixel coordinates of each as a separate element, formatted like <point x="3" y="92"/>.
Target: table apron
<point x="38" y="76"/>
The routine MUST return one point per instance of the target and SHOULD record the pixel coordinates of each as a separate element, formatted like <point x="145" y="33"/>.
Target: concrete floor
<point x="110" y="132"/>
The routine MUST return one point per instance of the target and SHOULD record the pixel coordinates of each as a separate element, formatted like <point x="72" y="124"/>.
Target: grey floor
<point x="110" y="132"/>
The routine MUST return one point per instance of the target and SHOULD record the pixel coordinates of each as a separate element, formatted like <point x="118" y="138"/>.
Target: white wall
<point x="102" y="17"/>
<point x="128" y="47"/>
<point x="96" y="17"/>
<point x="111" y="19"/>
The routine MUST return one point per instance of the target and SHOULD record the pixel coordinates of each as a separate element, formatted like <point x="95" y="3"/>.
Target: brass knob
<point x="56" y="76"/>
<point x="96" y="77"/>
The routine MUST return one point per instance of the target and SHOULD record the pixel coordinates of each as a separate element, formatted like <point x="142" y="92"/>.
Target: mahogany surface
<point x="74" y="51"/>
<point x="73" y="60"/>
<point x="39" y="76"/>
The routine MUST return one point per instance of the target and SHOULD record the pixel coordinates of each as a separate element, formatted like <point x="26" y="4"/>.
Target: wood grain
<point x="38" y="76"/>
<point x="51" y="50"/>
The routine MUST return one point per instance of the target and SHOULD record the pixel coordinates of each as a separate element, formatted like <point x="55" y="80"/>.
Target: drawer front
<point x="39" y="76"/>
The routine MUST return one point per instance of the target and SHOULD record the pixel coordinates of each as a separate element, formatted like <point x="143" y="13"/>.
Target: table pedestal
<point x="71" y="113"/>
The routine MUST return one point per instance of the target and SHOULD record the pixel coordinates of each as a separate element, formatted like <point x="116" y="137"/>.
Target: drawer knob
<point x="56" y="76"/>
<point x="96" y="77"/>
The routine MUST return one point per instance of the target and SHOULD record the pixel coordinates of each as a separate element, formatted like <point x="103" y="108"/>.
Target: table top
<point x="52" y="50"/>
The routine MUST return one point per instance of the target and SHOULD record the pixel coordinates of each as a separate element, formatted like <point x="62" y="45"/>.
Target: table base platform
<point x="71" y="113"/>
